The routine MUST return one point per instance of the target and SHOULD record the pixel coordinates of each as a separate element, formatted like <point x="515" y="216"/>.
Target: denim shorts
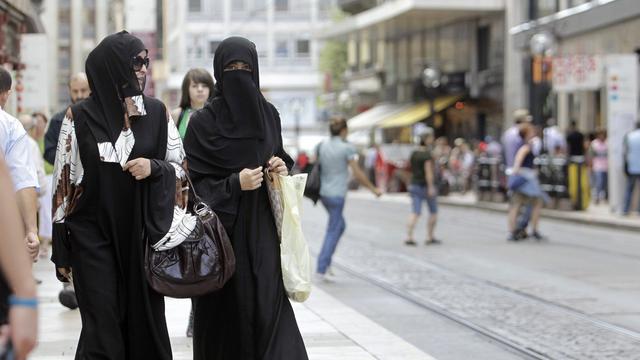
<point x="418" y="196"/>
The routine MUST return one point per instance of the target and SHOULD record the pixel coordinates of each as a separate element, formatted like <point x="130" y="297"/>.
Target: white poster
<point x="34" y="92"/>
<point x="578" y="72"/>
<point x="622" y="112"/>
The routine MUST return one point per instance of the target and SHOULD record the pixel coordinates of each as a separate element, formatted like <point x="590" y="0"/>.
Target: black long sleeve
<point x="51" y="137"/>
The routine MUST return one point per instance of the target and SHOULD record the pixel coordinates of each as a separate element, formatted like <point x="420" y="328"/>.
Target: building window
<point x="573" y="3"/>
<point x="213" y="46"/>
<point x="484" y="47"/>
<point x="542" y="8"/>
<point x="238" y="5"/>
<point x="302" y="48"/>
<point x="282" y="49"/>
<point x="195" y="6"/>
<point x="282" y="5"/>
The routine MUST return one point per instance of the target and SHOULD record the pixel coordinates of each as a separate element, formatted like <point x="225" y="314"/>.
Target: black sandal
<point x="410" y="242"/>
<point x="433" y="242"/>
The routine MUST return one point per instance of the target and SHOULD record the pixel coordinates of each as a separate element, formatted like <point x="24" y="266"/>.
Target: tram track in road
<point x="530" y="326"/>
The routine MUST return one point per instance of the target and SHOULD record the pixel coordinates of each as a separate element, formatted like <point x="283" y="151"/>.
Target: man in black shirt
<point x="575" y="140"/>
<point x="78" y="90"/>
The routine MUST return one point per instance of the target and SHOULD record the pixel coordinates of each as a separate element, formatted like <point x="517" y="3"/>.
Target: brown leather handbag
<point x="201" y="264"/>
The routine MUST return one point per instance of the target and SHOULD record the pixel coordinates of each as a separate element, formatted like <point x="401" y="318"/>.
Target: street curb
<point x="577" y="218"/>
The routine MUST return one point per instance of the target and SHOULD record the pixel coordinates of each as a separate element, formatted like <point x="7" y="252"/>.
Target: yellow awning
<point x="419" y="111"/>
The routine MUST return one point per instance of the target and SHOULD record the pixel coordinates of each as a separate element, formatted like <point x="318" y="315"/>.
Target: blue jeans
<point x="631" y="182"/>
<point x="335" y="229"/>
<point x="601" y="184"/>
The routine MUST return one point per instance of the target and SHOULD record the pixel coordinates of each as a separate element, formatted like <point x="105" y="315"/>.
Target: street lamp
<point x="431" y="81"/>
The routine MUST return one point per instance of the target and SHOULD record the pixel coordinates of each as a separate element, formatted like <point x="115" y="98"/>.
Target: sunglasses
<point x="138" y="62"/>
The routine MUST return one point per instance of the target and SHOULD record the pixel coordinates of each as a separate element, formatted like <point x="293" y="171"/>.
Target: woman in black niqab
<point x="118" y="164"/>
<point x="228" y="142"/>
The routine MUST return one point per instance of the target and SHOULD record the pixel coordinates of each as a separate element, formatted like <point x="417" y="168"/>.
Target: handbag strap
<point x="201" y="208"/>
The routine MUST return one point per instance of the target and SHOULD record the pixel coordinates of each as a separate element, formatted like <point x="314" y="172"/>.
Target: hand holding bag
<point x="201" y="264"/>
<point x="286" y="194"/>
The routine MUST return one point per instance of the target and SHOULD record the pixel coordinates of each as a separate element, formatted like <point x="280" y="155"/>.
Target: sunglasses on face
<point x="138" y="62"/>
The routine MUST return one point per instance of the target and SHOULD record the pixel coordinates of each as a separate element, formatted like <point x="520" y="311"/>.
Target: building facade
<point x="74" y="28"/>
<point x="391" y="43"/>
<point x="282" y="31"/>
<point x="18" y="18"/>
<point x="588" y="72"/>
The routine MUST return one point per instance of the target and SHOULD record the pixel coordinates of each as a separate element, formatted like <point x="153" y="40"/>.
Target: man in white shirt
<point x="14" y="147"/>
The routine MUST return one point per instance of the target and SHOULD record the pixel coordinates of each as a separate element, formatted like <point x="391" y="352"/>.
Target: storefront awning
<point x="370" y="118"/>
<point x="419" y="111"/>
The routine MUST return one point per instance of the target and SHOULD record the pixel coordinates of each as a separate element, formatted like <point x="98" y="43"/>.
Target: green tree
<point x="333" y="56"/>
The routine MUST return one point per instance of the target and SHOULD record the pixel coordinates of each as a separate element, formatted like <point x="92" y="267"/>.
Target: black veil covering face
<point x="109" y="68"/>
<point x="238" y="92"/>
<point x="251" y="317"/>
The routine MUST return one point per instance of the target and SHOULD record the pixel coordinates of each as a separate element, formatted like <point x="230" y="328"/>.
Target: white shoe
<point x="322" y="278"/>
<point x="330" y="273"/>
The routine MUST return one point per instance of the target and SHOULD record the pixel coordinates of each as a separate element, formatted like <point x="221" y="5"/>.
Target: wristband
<point x="23" y="302"/>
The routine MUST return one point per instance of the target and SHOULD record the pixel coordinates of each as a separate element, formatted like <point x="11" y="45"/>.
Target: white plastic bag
<point x="294" y="251"/>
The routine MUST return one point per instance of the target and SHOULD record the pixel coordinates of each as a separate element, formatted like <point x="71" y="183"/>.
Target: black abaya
<point x="103" y="216"/>
<point x="251" y="317"/>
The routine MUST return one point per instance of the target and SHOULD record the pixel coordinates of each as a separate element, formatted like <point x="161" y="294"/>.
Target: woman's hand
<point x="66" y="272"/>
<point x="251" y="179"/>
<point x="139" y="168"/>
<point x="277" y="165"/>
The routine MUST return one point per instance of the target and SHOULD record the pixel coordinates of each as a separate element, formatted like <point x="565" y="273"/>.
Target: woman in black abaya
<point x="118" y="164"/>
<point x="228" y="144"/>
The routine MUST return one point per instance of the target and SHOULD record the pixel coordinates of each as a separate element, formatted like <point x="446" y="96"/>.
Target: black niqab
<point x="238" y="96"/>
<point x="109" y="69"/>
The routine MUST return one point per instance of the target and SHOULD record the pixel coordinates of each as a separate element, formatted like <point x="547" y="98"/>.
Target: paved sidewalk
<point x="331" y="329"/>
<point x="599" y="215"/>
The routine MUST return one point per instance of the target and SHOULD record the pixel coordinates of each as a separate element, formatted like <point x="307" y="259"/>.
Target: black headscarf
<point x="238" y="98"/>
<point x="109" y="68"/>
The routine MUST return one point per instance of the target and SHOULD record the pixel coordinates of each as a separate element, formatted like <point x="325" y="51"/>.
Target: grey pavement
<point x="580" y="287"/>
<point x="331" y="329"/>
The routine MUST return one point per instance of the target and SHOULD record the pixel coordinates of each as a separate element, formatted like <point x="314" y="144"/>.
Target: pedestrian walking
<point x="370" y="161"/>
<point x="599" y="154"/>
<point x="44" y="195"/>
<point x="524" y="184"/>
<point x="14" y="146"/>
<point x="511" y="143"/>
<point x="575" y="140"/>
<point x="228" y="144"/>
<point x="18" y="301"/>
<point x="632" y="166"/>
<point x="337" y="156"/>
<point x="117" y="167"/>
<point x="78" y="87"/>
<point x="423" y="189"/>
<point x="197" y="88"/>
